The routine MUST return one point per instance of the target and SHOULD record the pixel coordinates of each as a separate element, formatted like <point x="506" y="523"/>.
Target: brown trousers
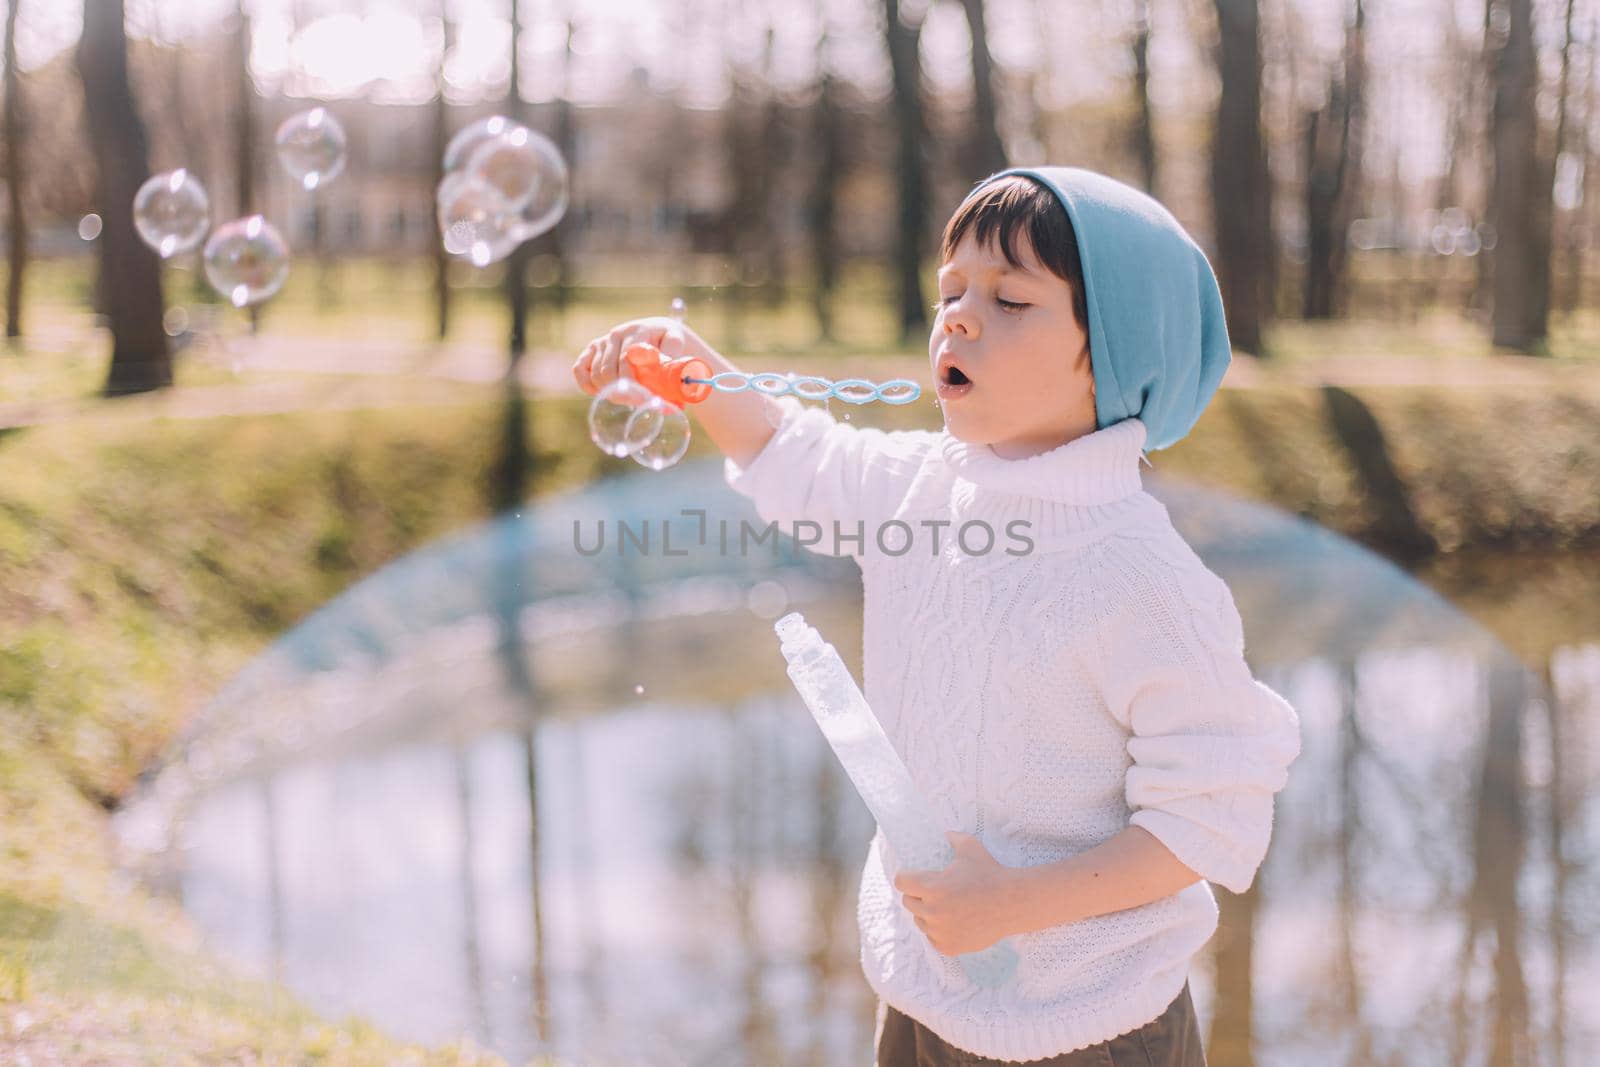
<point x="1172" y="1039"/>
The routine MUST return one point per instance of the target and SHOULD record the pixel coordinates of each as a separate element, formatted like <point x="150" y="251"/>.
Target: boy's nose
<point x="955" y="319"/>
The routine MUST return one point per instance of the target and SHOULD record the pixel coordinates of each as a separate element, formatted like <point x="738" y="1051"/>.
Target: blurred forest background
<point x="1422" y="167"/>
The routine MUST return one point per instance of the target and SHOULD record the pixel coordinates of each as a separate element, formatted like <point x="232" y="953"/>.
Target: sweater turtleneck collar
<point x="1098" y="468"/>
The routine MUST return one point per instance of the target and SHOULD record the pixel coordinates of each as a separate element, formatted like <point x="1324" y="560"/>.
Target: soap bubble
<point x="89" y="227"/>
<point x="657" y="434"/>
<point x="172" y="212"/>
<point x="246" y="260"/>
<point x="474" y="219"/>
<point x="527" y="169"/>
<point x="311" y="147"/>
<point x="469" y="137"/>
<point x="611" y="414"/>
<point x="175" y="320"/>
<point x="503" y="185"/>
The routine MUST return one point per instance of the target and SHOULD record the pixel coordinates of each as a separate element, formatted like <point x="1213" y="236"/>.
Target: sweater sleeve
<point x="816" y="469"/>
<point x="1210" y="744"/>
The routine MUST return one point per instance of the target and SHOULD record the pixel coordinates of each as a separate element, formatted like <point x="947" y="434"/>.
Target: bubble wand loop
<point x="688" y="379"/>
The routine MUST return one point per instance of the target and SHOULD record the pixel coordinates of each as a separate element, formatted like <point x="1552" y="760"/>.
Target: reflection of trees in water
<point x="1479" y="857"/>
<point x="1497" y="855"/>
<point x="1352" y="742"/>
<point x="465" y="841"/>
<point x="270" y="836"/>
<point x="506" y="597"/>
<point x="1382" y="834"/>
<point x="749" y="781"/>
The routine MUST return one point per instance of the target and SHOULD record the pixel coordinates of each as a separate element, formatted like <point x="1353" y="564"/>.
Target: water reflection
<point x="442" y="804"/>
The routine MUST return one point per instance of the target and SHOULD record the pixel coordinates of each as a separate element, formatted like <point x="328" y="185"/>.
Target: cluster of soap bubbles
<point x="626" y="419"/>
<point x="503" y="184"/>
<point x="245" y="259"/>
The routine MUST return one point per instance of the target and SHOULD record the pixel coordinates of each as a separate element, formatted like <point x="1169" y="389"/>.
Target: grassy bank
<point x="144" y="561"/>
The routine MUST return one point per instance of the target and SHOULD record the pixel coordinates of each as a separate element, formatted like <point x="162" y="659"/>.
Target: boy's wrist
<point x="1037" y="898"/>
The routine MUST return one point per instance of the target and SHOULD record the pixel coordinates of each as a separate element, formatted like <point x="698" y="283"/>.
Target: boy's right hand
<point x="601" y="363"/>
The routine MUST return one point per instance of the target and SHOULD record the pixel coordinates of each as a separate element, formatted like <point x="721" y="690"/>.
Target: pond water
<point x="570" y="805"/>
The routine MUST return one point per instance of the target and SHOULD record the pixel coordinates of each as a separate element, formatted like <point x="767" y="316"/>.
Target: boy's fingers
<point x="605" y="362"/>
<point x="671" y="343"/>
<point x="908" y="884"/>
<point x="583" y="367"/>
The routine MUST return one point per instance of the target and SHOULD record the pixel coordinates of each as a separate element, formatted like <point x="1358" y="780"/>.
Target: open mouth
<point x="953" y="381"/>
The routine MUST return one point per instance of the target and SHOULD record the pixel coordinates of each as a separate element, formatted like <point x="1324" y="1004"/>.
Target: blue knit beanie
<point x="1158" y="342"/>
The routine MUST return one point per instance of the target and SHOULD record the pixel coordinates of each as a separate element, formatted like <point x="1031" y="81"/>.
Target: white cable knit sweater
<point x="1043" y="698"/>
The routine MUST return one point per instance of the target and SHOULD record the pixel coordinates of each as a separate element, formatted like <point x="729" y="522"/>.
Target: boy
<point x="1077" y="709"/>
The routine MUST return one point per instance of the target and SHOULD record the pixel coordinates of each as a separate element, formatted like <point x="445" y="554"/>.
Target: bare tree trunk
<point x="441" y="140"/>
<point x="16" y="124"/>
<point x="826" y="176"/>
<point x="1561" y="136"/>
<point x="245" y="129"/>
<point x="986" y="152"/>
<point x="1573" y="294"/>
<point x="774" y="161"/>
<point x="1144" y="130"/>
<point x="1482" y="296"/>
<point x="1460" y="103"/>
<point x="903" y="38"/>
<point x="1240" y="190"/>
<point x="567" y="141"/>
<point x="130" y="273"/>
<point x="1332" y="173"/>
<point x="1521" y="189"/>
<point x="517" y="262"/>
<point x="245" y="121"/>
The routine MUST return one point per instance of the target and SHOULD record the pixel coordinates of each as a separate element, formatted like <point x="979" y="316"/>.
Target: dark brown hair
<point x="1003" y="208"/>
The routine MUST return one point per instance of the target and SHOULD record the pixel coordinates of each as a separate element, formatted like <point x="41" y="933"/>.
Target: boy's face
<point x="1012" y="332"/>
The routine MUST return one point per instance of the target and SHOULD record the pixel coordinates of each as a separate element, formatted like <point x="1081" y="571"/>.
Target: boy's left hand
<point x="965" y="907"/>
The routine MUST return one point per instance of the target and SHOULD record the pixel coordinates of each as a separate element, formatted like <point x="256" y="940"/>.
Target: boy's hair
<point x="1017" y="204"/>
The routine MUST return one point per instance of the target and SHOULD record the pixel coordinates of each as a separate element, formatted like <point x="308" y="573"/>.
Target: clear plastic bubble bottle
<point x="906" y="819"/>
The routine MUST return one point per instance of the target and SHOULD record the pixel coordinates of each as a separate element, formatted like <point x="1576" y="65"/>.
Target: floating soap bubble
<point x="172" y="212"/>
<point x="469" y="137"/>
<point x="89" y="227"/>
<point x="657" y="434"/>
<point x="529" y="172"/>
<point x="475" y="221"/>
<point x="522" y="170"/>
<point x="246" y="260"/>
<point x="612" y="412"/>
<point x="512" y="163"/>
<point x="311" y="147"/>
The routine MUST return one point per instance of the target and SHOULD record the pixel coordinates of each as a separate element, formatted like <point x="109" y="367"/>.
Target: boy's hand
<point x="601" y="363"/>
<point x="968" y="905"/>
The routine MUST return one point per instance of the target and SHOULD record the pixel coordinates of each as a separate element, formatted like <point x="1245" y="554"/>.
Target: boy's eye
<point x="1005" y="305"/>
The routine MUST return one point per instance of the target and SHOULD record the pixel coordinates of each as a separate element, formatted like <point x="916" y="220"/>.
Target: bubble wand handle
<point x="879" y="775"/>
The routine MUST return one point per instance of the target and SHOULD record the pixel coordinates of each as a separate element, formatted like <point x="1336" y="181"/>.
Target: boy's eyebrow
<point x="1006" y="269"/>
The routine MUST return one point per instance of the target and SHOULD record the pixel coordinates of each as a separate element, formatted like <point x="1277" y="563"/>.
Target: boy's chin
<point x="966" y="431"/>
